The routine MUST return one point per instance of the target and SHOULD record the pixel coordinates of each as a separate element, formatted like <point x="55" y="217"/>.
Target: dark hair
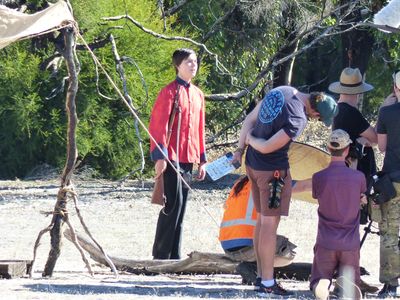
<point x="316" y="97"/>
<point x="179" y="55"/>
<point x="337" y="152"/>
<point x="240" y="184"/>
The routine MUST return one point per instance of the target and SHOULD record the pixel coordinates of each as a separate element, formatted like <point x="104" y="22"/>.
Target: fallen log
<point x="195" y="263"/>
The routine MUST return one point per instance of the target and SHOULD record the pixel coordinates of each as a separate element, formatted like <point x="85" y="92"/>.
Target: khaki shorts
<point x="260" y="190"/>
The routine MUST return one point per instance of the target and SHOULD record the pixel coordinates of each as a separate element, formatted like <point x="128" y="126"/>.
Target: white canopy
<point x="389" y="15"/>
<point x="15" y="25"/>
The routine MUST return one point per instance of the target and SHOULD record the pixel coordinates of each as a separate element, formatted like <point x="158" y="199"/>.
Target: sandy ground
<point x="123" y="221"/>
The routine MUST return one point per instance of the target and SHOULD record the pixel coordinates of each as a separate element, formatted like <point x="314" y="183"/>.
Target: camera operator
<point x="388" y="129"/>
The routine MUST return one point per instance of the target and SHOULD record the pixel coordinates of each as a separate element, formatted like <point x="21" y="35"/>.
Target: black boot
<point x="388" y="291"/>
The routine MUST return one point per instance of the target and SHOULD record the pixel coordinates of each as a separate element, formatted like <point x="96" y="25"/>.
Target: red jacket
<point x="191" y="136"/>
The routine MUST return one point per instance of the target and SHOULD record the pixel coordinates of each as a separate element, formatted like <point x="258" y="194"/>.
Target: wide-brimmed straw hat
<point x="351" y="83"/>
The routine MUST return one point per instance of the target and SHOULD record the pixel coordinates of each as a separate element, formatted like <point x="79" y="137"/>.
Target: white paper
<point x="220" y="167"/>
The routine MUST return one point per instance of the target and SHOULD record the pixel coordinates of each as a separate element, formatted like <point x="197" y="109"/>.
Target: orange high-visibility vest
<point x="239" y="220"/>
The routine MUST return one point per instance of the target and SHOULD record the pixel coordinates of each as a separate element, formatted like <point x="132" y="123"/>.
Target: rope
<point x="67" y="24"/>
<point x="131" y="109"/>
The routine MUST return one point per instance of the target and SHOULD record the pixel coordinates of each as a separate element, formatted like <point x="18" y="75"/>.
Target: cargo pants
<point x="389" y="271"/>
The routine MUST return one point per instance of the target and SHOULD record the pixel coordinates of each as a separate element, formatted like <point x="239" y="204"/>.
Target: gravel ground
<point x="123" y="221"/>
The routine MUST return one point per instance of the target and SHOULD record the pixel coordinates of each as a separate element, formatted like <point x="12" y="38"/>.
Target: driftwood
<point x="195" y="263"/>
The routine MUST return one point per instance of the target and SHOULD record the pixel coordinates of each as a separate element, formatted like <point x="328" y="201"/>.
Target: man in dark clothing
<point x="363" y="135"/>
<point x="388" y="129"/>
<point x="268" y="131"/>
<point x="337" y="189"/>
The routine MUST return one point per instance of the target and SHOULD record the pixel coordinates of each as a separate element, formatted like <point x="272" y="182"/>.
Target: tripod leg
<point x="367" y="230"/>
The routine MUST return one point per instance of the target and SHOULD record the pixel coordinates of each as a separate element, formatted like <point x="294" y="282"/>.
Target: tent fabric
<point x="15" y="25"/>
<point x="389" y="15"/>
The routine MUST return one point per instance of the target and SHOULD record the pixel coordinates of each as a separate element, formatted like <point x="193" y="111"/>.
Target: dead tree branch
<point x="272" y="63"/>
<point x="384" y="28"/>
<point x="37" y="243"/>
<point x="220" y="67"/>
<point x="105" y="255"/>
<point x="121" y="72"/>
<point x="60" y="214"/>
<point x="195" y="263"/>
<point x="60" y="209"/>
<point x="176" y="8"/>
<point x="74" y="240"/>
<point x="217" y="23"/>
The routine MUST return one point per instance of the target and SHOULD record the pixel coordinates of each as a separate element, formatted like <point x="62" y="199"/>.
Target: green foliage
<point x="33" y="125"/>
<point x="25" y="129"/>
<point x="33" y="128"/>
<point x="384" y="61"/>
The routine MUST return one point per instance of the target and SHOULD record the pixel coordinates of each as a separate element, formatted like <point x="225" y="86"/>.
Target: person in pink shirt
<point x="340" y="192"/>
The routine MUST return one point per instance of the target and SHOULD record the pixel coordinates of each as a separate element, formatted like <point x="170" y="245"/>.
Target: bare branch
<point x="242" y="93"/>
<point x="76" y="243"/>
<point x="238" y="120"/>
<point x="219" y="66"/>
<point x="94" y="45"/>
<point x="120" y="70"/>
<point x="37" y="243"/>
<point x="328" y="31"/>
<point x="216" y="24"/>
<point x="110" y="263"/>
<point x="385" y="28"/>
<point x="176" y="8"/>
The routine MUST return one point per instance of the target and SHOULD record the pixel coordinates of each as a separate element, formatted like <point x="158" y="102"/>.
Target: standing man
<point x="181" y="139"/>
<point x="388" y="128"/>
<point x="268" y="131"/>
<point x="337" y="189"/>
<point x="351" y="87"/>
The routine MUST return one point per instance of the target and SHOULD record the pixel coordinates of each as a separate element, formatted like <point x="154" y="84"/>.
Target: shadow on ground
<point x="215" y="290"/>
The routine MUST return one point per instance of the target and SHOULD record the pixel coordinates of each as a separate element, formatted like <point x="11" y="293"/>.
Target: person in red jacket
<point x="183" y="143"/>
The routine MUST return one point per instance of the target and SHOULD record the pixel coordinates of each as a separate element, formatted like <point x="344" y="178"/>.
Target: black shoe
<point x="388" y="291"/>
<point x="257" y="284"/>
<point x="276" y="289"/>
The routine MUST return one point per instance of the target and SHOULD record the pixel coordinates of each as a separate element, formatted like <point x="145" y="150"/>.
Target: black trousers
<point x="167" y="241"/>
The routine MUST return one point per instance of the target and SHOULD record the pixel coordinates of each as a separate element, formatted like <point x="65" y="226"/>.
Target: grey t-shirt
<point x="389" y="123"/>
<point x="280" y="109"/>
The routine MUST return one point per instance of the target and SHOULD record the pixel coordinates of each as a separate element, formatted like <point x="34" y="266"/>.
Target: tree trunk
<point x="356" y="44"/>
<point x="60" y="209"/>
<point x="283" y="72"/>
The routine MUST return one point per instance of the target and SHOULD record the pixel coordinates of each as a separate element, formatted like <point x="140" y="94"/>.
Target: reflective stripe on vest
<point x="239" y="219"/>
<point x="247" y="220"/>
